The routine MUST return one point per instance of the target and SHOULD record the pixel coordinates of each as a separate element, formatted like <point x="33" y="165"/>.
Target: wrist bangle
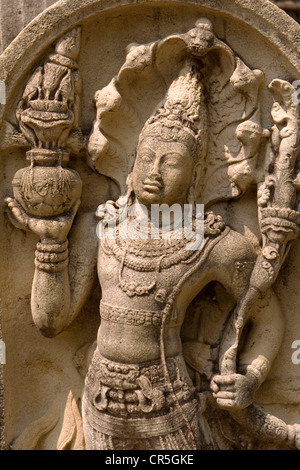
<point x="44" y="257"/>
<point x="51" y="258"/>
<point x="51" y="267"/>
<point x="259" y="368"/>
<point x="52" y="248"/>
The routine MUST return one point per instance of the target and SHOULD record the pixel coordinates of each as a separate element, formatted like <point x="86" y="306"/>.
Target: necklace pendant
<point x="134" y="288"/>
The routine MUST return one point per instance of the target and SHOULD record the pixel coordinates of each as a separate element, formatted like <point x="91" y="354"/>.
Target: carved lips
<point x="153" y="186"/>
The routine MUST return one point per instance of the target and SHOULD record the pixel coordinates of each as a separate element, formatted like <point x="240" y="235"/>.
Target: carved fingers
<point x="16" y="214"/>
<point x="53" y="229"/>
<point x="233" y="391"/>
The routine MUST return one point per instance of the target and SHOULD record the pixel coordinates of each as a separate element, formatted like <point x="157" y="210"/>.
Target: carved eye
<point x="171" y="161"/>
<point x="146" y="158"/>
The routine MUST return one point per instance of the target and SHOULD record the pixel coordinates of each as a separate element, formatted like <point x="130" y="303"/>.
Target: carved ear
<point x="194" y="194"/>
<point x="198" y="181"/>
<point x="129" y="183"/>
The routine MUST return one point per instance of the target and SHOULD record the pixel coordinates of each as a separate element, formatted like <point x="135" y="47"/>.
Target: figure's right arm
<point x="64" y="268"/>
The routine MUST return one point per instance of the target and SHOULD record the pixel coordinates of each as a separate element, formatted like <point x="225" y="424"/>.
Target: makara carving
<point x="180" y="124"/>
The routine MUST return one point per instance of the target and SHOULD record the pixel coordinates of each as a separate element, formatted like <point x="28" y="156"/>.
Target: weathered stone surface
<point x="15" y="15"/>
<point x="159" y="104"/>
<point x="291" y="7"/>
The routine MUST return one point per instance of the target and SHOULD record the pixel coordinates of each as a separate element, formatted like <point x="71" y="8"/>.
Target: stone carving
<point x="63" y="411"/>
<point x="47" y="113"/>
<point x="184" y="112"/>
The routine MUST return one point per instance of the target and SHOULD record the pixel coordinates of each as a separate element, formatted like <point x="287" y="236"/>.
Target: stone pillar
<point x="15" y="15"/>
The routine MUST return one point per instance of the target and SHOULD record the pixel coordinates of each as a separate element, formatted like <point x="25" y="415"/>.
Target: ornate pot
<point x="46" y="188"/>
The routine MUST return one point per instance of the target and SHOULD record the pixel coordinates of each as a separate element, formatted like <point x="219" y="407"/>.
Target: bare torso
<point x="133" y="329"/>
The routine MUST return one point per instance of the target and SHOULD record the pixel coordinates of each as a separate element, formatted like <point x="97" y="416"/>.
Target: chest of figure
<point x="143" y="275"/>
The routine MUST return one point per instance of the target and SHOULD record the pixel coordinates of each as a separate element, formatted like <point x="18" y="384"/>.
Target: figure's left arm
<point x="260" y="341"/>
<point x="265" y="329"/>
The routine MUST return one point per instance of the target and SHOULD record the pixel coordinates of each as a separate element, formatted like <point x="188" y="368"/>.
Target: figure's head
<point x="164" y="166"/>
<point x="171" y="145"/>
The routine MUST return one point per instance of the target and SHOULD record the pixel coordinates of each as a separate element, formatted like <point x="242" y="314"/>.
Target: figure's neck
<point x="159" y="217"/>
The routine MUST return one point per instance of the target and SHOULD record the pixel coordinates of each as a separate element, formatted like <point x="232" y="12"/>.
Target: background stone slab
<point x="15" y="15"/>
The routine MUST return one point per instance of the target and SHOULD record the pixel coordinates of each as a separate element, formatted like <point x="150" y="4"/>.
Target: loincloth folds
<point x="138" y="400"/>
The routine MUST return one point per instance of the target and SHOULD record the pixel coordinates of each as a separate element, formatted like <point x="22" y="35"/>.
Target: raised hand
<point x="54" y="229"/>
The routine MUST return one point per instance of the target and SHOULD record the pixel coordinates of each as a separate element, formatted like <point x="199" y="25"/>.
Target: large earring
<point x="130" y="193"/>
<point x="191" y="198"/>
<point x="129" y="182"/>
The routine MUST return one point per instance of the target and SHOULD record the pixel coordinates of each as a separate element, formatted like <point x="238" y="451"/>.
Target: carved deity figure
<point x="143" y="389"/>
<point x="138" y="385"/>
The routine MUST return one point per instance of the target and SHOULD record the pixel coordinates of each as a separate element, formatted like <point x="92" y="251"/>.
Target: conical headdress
<point x="183" y="116"/>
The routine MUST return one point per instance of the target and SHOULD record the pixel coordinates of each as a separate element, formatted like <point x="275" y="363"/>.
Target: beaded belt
<point x="129" y="316"/>
<point x="135" y="390"/>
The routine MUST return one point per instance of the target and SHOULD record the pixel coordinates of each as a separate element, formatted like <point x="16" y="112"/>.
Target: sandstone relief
<point x="191" y="321"/>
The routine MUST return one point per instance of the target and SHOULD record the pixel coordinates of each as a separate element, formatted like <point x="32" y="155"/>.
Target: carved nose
<point x="155" y="170"/>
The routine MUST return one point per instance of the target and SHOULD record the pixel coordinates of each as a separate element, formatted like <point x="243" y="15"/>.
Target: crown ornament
<point x="183" y="115"/>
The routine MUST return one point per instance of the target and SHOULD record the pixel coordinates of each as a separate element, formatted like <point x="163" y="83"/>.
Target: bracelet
<point x="52" y="248"/>
<point x="51" y="258"/>
<point x="51" y="267"/>
<point x="44" y="257"/>
<point x="259" y="369"/>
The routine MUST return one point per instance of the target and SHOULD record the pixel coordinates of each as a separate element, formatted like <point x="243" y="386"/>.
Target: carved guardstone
<point x="193" y="348"/>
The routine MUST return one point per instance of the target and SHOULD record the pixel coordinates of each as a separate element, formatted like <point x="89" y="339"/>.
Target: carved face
<point x="162" y="173"/>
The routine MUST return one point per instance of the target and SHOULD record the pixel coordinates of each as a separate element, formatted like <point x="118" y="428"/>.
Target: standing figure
<point x="144" y="388"/>
<point x="138" y="392"/>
